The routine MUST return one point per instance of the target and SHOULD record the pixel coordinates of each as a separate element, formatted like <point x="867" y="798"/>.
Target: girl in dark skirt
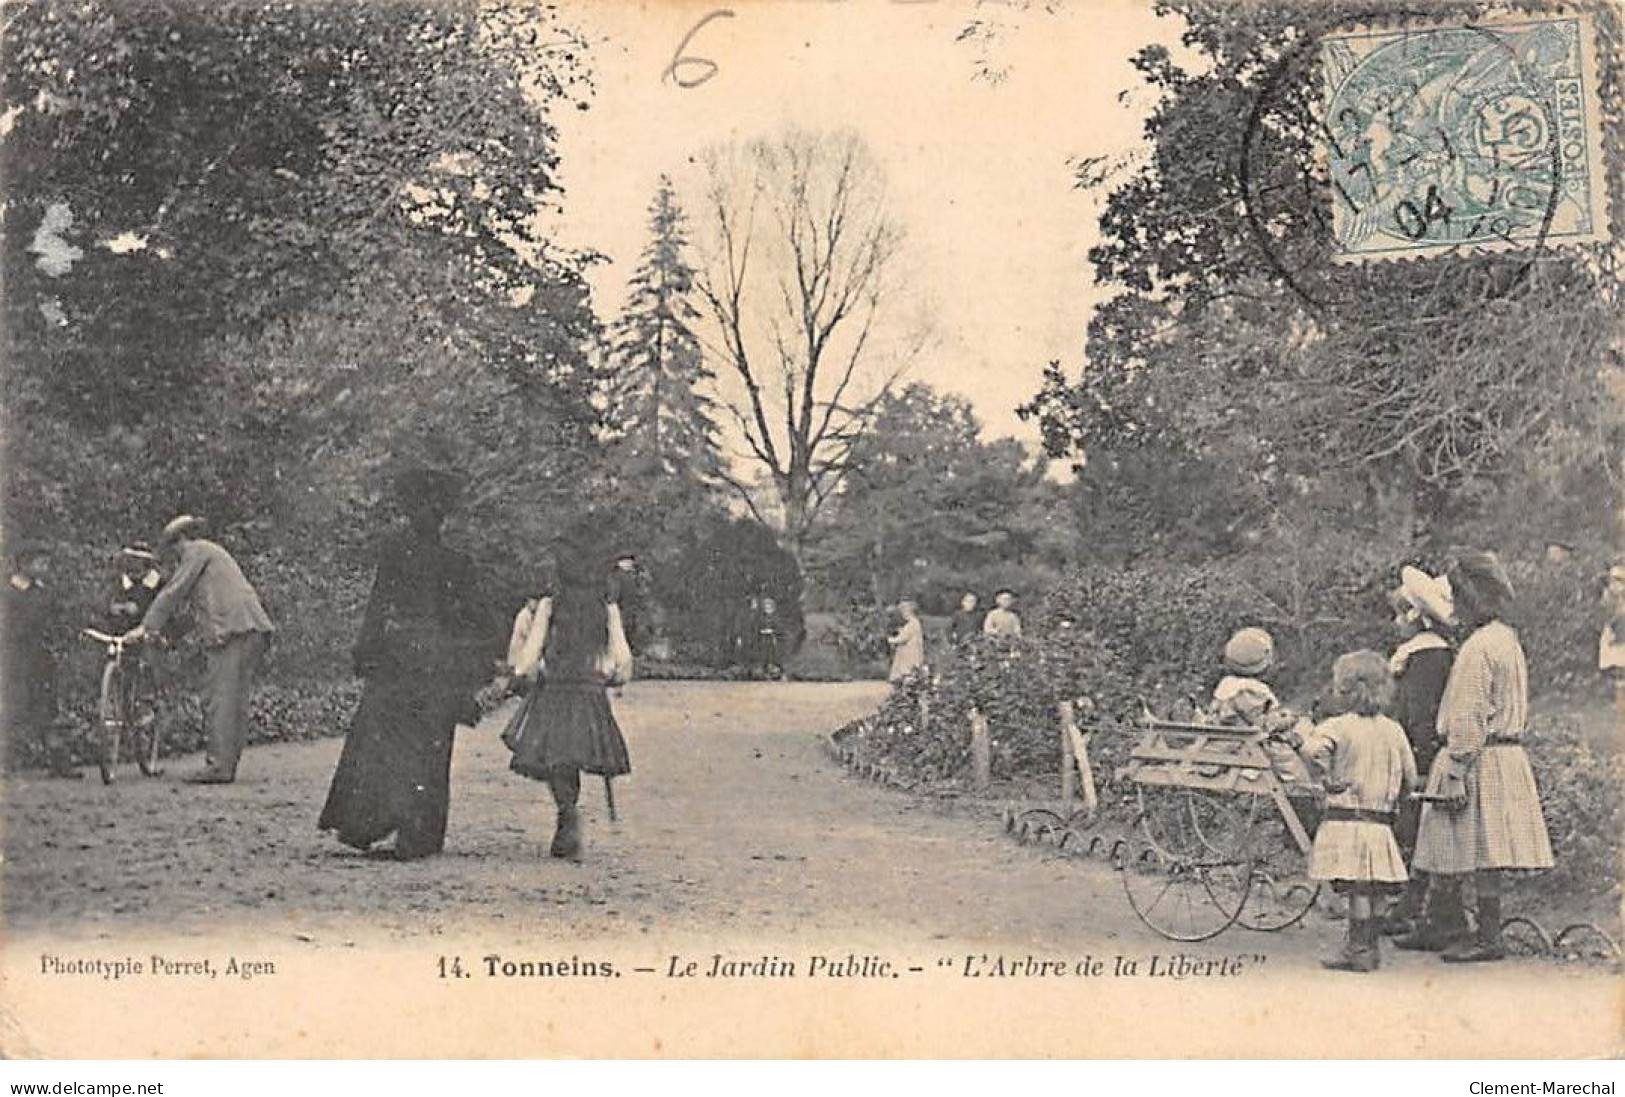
<point x="575" y="651"/>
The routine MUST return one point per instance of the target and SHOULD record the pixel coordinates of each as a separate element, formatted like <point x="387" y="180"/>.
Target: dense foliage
<point x="255" y="254"/>
<point x="711" y="595"/>
<point x="929" y="509"/>
<point x="1233" y="341"/>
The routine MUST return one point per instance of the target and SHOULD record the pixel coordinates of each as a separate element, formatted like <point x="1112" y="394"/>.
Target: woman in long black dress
<point x="419" y="654"/>
<point x="565" y="727"/>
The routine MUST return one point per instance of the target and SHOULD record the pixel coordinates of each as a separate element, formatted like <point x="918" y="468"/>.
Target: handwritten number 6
<point x="679" y="60"/>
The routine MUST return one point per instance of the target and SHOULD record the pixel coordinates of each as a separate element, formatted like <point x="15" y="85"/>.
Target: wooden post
<point x="1069" y="776"/>
<point x="1075" y="753"/>
<point x="981" y="752"/>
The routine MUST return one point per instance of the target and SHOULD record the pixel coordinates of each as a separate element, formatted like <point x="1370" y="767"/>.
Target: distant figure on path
<point x="907" y="644"/>
<point x="626" y="589"/>
<point x="1611" y="645"/>
<point x="769" y="638"/>
<point x="565" y="726"/>
<point x="967" y="619"/>
<point x="1003" y="620"/>
<point x="233" y="628"/>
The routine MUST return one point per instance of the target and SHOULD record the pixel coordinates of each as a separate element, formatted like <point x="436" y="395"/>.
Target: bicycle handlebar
<point x="115" y="644"/>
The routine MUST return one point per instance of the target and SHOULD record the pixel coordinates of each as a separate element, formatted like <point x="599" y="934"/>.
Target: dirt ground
<point x="734" y="819"/>
<point x="738" y="836"/>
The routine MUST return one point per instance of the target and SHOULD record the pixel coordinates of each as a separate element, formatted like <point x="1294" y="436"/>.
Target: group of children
<point x="1420" y="758"/>
<point x="908" y="642"/>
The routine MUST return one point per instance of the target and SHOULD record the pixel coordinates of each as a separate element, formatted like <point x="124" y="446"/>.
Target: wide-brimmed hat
<point x="182" y="525"/>
<point x="1249" y="651"/>
<point x="139" y="551"/>
<point x="1428" y="595"/>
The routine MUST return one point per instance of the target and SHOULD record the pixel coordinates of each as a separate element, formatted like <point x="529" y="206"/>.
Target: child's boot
<point x="1489" y="945"/>
<point x="1351" y="957"/>
<point x="1371" y="946"/>
<point x="566" y="786"/>
<point x="1403" y="917"/>
<point x="1443" y="921"/>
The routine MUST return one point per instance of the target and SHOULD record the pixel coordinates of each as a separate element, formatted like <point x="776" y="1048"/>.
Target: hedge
<point x="1129" y="639"/>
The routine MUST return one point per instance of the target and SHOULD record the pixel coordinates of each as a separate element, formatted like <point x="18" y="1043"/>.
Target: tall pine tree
<point x="665" y="439"/>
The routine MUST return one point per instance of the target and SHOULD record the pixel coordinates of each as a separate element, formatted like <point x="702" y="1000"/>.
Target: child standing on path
<point x="1483" y="816"/>
<point x="907" y="643"/>
<point x="577" y="649"/>
<point x="1365" y="763"/>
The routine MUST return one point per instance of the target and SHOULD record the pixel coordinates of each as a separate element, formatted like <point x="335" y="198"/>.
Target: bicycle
<point x="115" y="704"/>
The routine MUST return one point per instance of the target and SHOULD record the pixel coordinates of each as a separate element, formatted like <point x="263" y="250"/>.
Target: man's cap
<point x="182" y="525"/>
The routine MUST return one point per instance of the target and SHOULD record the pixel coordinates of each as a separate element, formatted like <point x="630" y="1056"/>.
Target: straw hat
<point x="1249" y="651"/>
<point x="1428" y="595"/>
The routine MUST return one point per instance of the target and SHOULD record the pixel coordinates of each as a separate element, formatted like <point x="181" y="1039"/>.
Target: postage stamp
<point x="1462" y="139"/>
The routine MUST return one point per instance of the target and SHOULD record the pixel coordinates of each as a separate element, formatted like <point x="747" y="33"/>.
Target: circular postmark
<point x="1407" y="140"/>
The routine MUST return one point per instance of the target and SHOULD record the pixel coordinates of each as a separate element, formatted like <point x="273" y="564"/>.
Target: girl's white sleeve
<point x="620" y="651"/>
<point x="530" y="656"/>
<point x="521" y="633"/>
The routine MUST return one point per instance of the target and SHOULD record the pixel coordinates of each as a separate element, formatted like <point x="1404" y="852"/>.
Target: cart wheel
<point x="1282" y="893"/>
<point x="1188" y="823"/>
<point x="1183" y="898"/>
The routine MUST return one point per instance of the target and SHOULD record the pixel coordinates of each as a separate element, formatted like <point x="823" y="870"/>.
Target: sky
<point x="977" y="171"/>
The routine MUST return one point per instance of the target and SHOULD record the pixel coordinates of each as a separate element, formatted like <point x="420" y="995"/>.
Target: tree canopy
<point x="1233" y="338"/>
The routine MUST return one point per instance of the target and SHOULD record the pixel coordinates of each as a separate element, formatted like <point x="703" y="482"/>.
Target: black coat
<point x="1418" y="691"/>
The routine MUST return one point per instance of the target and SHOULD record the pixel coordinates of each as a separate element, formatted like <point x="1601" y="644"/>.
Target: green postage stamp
<point x="1463" y="138"/>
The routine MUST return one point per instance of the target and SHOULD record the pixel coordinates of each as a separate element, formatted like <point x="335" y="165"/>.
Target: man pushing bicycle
<point x="233" y="628"/>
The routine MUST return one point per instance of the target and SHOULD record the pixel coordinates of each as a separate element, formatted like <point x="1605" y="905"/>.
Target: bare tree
<point x="801" y="246"/>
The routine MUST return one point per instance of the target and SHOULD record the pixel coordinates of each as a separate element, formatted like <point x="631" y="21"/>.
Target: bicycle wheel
<point x="141" y="712"/>
<point x="1189" y="897"/>
<point x="110" y="709"/>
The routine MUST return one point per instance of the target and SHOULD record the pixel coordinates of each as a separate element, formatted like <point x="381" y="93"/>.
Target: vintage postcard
<point x="887" y="528"/>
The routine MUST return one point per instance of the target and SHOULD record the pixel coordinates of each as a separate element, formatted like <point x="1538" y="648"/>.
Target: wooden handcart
<point x="1217" y="839"/>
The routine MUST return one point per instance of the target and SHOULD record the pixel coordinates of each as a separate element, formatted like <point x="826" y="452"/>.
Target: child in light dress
<point x="1364" y="761"/>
